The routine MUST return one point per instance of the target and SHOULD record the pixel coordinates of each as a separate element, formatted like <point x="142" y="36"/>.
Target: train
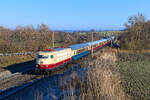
<point x="50" y="59"/>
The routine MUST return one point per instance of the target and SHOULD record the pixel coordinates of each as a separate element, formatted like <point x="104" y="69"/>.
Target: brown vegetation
<point x="103" y="80"/>
<point x="7" y="60"/>
<point x="137" y="35"/>
<point x="28" y="38"/>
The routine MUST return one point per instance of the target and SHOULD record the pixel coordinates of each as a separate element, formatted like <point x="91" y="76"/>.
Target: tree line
<point x="30" y="39"/>
<point x="137" y="33"/>
<point x="22" y="39"/>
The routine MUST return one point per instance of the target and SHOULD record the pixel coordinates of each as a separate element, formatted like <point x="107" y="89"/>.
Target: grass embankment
<point x="7" y="60"/>
<point x="102" y="81"/>
<point x="135" y="74"/>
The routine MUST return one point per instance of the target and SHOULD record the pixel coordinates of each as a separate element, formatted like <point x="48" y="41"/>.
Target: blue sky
<point x="71" y="14"/>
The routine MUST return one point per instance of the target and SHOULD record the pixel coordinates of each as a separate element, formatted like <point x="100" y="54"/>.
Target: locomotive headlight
<point x="37" y="66"/>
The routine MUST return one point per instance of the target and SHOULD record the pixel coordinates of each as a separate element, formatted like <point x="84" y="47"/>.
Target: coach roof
<point x="78" y="46"/>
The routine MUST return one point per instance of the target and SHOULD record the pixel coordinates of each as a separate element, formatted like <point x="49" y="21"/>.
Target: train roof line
<point x="82" y="45"/>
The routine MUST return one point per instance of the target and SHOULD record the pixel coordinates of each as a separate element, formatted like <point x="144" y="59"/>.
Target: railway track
<point x="12" y="81"/>
<point x="6" y="83"/>
<point x="17" y="73"/>
<point x="14" y="90"/>
<point x="11" y="91"/>
<point x="18" y="81"/>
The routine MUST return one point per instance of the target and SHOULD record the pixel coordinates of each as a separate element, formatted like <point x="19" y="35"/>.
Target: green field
<point x="135" y="75"/>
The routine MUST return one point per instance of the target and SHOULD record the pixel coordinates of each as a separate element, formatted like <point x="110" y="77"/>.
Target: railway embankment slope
<point x="16" y="68"/>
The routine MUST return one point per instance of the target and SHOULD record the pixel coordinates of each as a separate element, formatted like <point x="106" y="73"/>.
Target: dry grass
<point x="103" y="81"/>
<point x="6" y="60"/>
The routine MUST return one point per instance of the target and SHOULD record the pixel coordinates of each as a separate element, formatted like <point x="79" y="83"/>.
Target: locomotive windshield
<point x="42" y="56"/>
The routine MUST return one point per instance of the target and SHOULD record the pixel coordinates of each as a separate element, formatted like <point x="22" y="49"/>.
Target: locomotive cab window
<point x="42" y="56"/>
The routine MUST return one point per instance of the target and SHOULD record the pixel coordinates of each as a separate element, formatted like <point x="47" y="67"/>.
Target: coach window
<point x="52" y="56"/>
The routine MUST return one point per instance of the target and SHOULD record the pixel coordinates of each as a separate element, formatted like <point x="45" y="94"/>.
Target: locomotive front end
<point x="44" y="60"/>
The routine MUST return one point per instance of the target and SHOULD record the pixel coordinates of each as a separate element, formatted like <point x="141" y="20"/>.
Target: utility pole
<point x="92" y="45"/>
<point x="111" y="42"/>
<point x="53" y="40"/>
